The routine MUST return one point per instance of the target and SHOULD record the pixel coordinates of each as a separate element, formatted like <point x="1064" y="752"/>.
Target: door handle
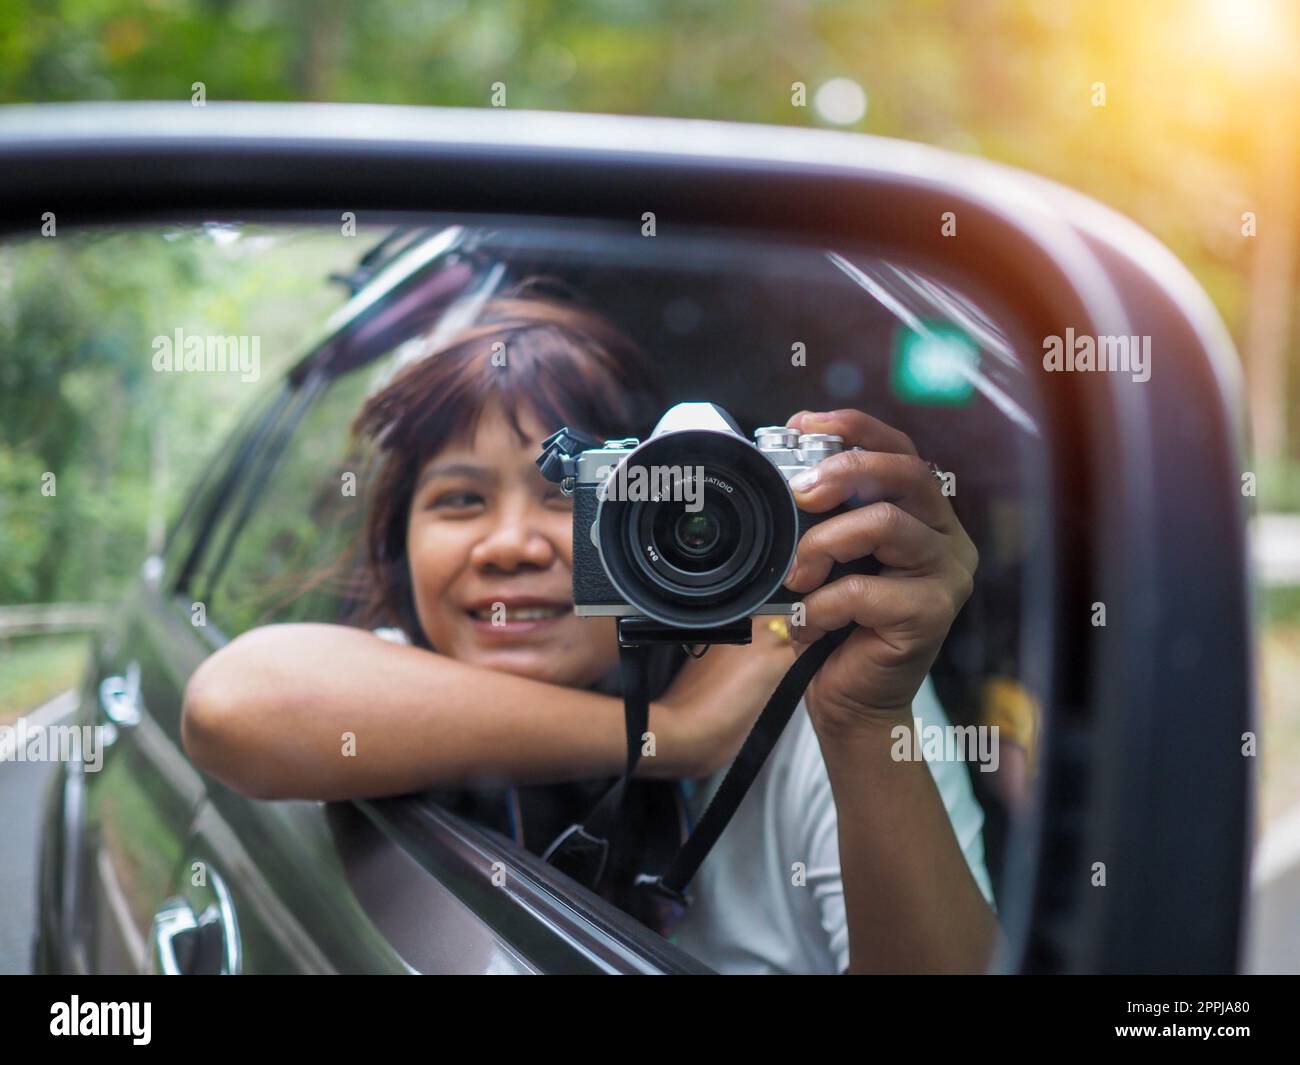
<point x="119" y="697"/>
<point x="175" y="937"/>
<point x="188" y="944"/>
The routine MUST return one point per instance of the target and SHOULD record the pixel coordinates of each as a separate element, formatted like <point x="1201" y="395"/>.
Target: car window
<point x="219" y="481"/>
<point x="289" y="559"/>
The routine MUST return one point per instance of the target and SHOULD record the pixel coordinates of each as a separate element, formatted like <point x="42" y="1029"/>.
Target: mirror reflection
<point x="389" y="576"/>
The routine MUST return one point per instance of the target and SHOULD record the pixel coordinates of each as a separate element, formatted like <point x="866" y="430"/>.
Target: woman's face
<point x="490" y="544"/>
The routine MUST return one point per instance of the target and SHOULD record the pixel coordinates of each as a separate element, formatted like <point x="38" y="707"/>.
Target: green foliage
<point x="1278" y="605"/>
<point x="34" y="669"/>
<point x="22" y="510"/>
<point x="80" y="398"/>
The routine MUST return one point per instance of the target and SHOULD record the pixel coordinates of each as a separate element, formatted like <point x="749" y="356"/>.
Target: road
<point x="22" y="798"/>
<point x="1273" y="938"/>
<point x="22" y="793"/>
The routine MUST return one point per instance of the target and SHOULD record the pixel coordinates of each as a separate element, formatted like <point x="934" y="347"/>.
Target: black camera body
<point x="692" y="530"/>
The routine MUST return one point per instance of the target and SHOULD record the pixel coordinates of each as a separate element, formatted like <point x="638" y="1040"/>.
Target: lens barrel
<point x="715" y="540"/>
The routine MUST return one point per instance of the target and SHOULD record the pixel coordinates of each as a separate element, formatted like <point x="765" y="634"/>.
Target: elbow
<point x="219" y="731"/>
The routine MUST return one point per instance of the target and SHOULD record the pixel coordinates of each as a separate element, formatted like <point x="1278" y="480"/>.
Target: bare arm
<point x="270" y="714"/>
<point x="913" y="904"/>
<point x="911" y="901"/>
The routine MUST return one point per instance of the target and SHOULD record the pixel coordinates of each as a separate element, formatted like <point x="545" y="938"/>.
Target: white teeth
<point x="522" y="613"/>
<point x="532" y="613"/>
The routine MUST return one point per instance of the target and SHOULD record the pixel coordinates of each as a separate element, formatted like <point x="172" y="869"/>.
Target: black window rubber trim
<point x="551" y="920"/>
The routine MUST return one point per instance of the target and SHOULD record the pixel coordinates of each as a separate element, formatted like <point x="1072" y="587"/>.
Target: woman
<point x="469" y="556"/>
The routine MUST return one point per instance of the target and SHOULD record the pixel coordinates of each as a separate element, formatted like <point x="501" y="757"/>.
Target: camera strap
<point x="582" y="851"/>
<point x="744" y="770"/>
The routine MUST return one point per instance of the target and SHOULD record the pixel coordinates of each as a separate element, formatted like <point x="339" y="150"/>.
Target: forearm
<point x="911" y="901"/>
<point x="271" y="715"/>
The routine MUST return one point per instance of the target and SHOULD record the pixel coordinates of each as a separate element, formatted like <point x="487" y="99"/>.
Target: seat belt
<point x="582" y="851"/>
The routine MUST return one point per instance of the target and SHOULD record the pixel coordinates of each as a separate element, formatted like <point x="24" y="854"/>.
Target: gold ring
<point x="778" y="626"/>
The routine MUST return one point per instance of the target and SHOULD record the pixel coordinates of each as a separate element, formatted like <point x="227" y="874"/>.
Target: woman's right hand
<point x="716" y="699"/>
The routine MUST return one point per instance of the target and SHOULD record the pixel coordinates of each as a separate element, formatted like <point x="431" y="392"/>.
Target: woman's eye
<point x="455" y="501"/>
<point x="558" y="499"/>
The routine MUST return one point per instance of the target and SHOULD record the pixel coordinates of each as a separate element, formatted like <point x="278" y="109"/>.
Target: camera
<point x="689" y="533"/>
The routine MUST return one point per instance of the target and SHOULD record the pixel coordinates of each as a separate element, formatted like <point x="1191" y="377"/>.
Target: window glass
<point x="218" y="480"/>
<point x="290" y="560"/>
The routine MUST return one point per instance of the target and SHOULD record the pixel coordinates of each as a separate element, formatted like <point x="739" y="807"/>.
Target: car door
<point x="223" y="890"/>
<point x="262" y="879"/>
<point x="128" y="817"/>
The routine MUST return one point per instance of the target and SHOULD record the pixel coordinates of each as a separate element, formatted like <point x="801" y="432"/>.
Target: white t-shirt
<point x="748" y="915"/>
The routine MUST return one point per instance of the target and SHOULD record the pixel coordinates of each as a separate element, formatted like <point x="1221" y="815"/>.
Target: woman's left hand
<point x="927" y="568"/>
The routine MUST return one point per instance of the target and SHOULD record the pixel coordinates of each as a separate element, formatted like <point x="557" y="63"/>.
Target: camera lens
<point x="714" y="539"/>
<point x="696" y="533"/>
<point x="695" y="541"/>
<point x="698" y="553"/>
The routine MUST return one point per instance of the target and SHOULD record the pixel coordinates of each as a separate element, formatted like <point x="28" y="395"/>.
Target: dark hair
<point x="564" y="362"/>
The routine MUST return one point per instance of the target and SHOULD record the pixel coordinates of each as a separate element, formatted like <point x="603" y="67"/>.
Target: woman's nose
<point x="514" y="542"/>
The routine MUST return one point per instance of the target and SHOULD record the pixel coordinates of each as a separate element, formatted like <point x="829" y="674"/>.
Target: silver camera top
<point x="785" y="447"/>
<point x="790" y="451"/>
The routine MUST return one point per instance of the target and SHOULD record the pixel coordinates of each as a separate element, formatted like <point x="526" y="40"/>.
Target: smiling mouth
<point x="521" y="613"/>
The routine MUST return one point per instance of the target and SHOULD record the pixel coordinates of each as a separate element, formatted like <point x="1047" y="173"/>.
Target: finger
<point x="896" y="538"/>
<point x="872" y="476"/>
<point x="897" y="608"/>
<point x="858" y="429"/>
